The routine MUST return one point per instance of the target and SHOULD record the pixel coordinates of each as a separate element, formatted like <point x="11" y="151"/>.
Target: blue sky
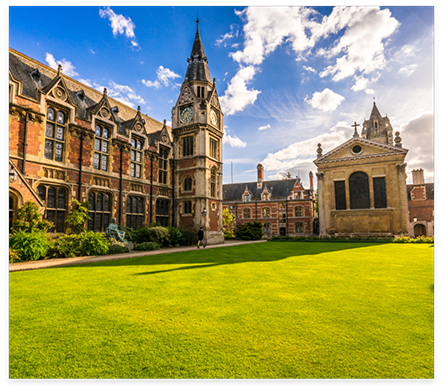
<point x="288" y="78"/>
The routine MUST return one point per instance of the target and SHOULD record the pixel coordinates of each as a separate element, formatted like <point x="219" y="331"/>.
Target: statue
<point x="114" y="232"/>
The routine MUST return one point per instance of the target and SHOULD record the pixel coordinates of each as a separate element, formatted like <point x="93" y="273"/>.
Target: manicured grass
<point x="264" y="310"/>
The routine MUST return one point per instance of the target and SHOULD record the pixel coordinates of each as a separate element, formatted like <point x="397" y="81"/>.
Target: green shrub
<point x="153" y="234"/>
<point x="29" y="219"/>
<point x="147" y="246"/>
<point x="29" y="246"/>
<point x="75" y="222"/>
<point x="117" y="249"/>
<point x="249" y="231"/>
<point x="78" y="245"/>
<point x="14" y="255"/>
<point x="131" y="235"/>
<point x="175" y="236"/>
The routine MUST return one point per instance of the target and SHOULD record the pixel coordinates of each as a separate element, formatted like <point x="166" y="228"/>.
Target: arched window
<point x="247" y="213"/>
<point x="299" y="228"/>
<point x="55" y="134"/>
<point x="213" y="181"/>
<point x="187" y="183"/>
<point x="299" y="211"/>
<point x="134" y="212"/>
<point x="162" y="212"/>
<point x="359" y="190"/>
<point x="266" y="212"/>
<point x="99" y="211"/>
<point x="55" y="198"/>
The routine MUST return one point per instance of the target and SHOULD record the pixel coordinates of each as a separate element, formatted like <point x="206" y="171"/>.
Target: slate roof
<point x="279" y="189"/>
<point x="198" y="63"/>
<point x="21" y="67"/>
<point x="429" y="190"/>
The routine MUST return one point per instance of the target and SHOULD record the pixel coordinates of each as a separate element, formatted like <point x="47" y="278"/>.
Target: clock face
<point x="214" y="118"/>
<point x="186" y="114"/>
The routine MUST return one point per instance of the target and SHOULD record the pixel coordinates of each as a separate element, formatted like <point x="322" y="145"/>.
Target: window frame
<point x="299" y="211"/>
<point x="264" y="214"/>
<point x="162" y="205"/>
<point x="138" y="215"/>
<point x="57" y="214"/>
<point x="213" y="182"/>
<point x="100" y="153"/>
<point x="134" y="153"/>
<point x="105" y="214"/>
<point x="163" y="165"/>
<point x="54" y="140"/>
<point x="249" y="213"/>
<point x="187" y="146"/>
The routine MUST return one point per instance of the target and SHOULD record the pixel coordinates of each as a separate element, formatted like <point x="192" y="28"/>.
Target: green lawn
<point x="264" y="310"/>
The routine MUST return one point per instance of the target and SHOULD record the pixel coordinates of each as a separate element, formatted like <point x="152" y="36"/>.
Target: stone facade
<point x="362" y="183"/>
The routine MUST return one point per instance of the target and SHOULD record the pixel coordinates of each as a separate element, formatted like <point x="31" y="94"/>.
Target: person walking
<point x="201" y="235"/>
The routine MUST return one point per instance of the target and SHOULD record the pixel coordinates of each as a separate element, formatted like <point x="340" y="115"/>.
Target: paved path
<point x="20" y="266"/>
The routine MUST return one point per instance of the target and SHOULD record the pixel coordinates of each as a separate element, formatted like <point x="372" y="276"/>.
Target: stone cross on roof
<point x="355" y="129"/>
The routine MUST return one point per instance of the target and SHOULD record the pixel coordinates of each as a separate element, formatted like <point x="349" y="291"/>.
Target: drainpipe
<point x="150" y="198"/>
<point x="25" y="142"/>
<point x="121" y="186"/>
<point x="173" y="192"/>
<point x="80" y="163"/>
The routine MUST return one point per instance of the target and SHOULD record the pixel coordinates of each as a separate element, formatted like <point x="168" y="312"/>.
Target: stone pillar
<point x="403" y="198"/>
<point x="321" y="203"/>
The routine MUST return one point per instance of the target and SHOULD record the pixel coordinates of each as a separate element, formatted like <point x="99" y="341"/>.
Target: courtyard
<point x="266" y="310"/>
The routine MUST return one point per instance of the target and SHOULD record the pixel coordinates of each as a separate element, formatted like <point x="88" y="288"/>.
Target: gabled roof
<point x="429" y="188"/>
<point x="377" y="149"/>
<point x="279" y="189"/>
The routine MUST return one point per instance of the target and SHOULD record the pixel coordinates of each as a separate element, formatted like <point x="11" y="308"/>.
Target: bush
<point x="153" y="234"/>
<point x="14" y="255"/>
<point x="29" y="219"/>
<point x="29" y="246"/>
<point x="131" y="235"/>
<point x="75" y="223"/>
<point x="175" y="236"/>
<point x="249" y="231"/>
<point x="77" y="245"/>
<point x="147" y="246"/>
<point x="117" y="249"/>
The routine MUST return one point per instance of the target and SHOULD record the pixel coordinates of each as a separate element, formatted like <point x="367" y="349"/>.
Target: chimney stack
<point x="311" y="180"/>
<point x="418" y="176"/>
<point x="260" y="178"/>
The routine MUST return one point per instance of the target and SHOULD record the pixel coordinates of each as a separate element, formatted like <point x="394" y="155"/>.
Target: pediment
<point x="102" y="109"/>
<point x="58" y="90"/>
<point x="214" y="99"/>
<point x="136" y="124"/>
<point x="359" y="148"/>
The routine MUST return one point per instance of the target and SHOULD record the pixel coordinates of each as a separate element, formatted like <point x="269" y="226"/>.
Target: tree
<point x="29" y="219"/>
<point x="287" y="175"/>
<point x="228" y="220"/>
<point x="75" y="223"/>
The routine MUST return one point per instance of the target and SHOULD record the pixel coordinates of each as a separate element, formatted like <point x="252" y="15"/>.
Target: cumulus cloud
<point x="233" y="141"/>
<point x="309" y="69"/>
<point x="67" y="67"/>
<point x="265" y="127"/>
<point x="326" y="100"/>
<point x="122" y="93"/>
<point x="408" y="70"/>
<point x="164" y="76"/>
<point x="237" y="96"/>
<point x="120" y="24"/>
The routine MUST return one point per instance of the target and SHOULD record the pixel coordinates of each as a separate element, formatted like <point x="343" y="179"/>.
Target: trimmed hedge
<point x="147" y="246"/>
<point x="368" y="239"/>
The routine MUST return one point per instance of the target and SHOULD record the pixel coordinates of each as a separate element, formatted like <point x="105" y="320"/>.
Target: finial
<point x="164" y="122"/>
<point x="105" y="91"/>
<point x="397" y="140"/>
<point x="319" y="150"/>
<point x="59" y="71"/>
<point x="138" y="109"/>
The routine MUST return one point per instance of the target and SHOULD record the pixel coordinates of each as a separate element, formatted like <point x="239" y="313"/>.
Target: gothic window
<point x="340" y="195"/>
<point x="200" y="92"/>
<point x="188" y="146"/>
<point x="162" y="212"/>
<point x="187" y="207"/>
<point x="55" y="198"/>
<point x="134" y="212"/>
<point x="359" y="191"/>
<point x="265" y="197"/>
<point x="213" y="150"/>
<point x="163" y="165"/>
<point x="246" y="198"/>
<point x="99" y="211"/>
<point x="299" y="211"/>
<point x="55" y="134"/>
<point x="187" y="183"/>
<point x="380" y="200"/>
<point x="266" y="212"/>
<point x="101" y="148"/>
<point x="213" y="181"/>
<point x="136" y="158"/>
<point x="299" y="228"/>
<point x="247" y="213"/>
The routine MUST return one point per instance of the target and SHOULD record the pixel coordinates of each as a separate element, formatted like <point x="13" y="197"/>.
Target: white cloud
<point x="369" y="91"/>
<point x="67" y="67"/>
<point x="237" y="96"/>
<point x="120" y="24"/>
<point x="164" y="76"/>
<point x="363" y="25"/>
<point x="233" y="141"/>
<point x="122" y="93"/>
<point x="218" y="42"/>
<point x="265" y="127"/>
<point x="86" y="82"/>
<point x="326" y="100"/>
<point x="309" y="69"/>
<point x="408" y="70"/>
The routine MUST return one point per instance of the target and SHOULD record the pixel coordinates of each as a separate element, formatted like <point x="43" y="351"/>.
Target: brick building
<point x="68" y="141"/>
<point x="421" y="205"/>
<point x="284" y="207"/>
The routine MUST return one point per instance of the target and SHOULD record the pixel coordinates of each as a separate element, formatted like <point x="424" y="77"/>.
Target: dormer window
<point x="81" y="95"/>
<point x="35" y="74"/>
<point x="115" y="109"/>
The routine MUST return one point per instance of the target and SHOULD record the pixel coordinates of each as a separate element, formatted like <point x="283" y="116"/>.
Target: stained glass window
<point x="359" y="191"/>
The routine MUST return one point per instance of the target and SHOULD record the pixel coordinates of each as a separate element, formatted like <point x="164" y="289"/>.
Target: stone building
<point x="362" y="182"/>
<point x="421" y="205"/>
<point x="68" y="141"/>
<point x="284" y="207"/>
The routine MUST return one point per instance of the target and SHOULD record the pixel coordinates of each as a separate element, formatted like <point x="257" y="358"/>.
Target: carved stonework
<point x="320" y="175"/>
<point x="163" y="192"/>
<point x="186" y="96"/>
<point x="97" y="181"/>
<point x="105" y="113"/>
<point x="401" y="168"/>
<point x="60" y="93"/>
<point x="136" y="188"/>
<point x="52" y="173"/>
<point x="214" y="100"/>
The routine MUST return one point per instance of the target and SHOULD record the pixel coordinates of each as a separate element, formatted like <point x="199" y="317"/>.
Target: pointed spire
<point x="375" y="113"/>
<point x="198" y="63"/>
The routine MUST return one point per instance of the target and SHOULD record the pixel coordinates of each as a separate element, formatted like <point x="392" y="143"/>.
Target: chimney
<point x="418" y="176"/>
<point x="311" y="180"/>
<point x="259" y="175"/>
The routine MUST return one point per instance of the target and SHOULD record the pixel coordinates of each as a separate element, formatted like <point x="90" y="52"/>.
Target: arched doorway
<point x="282" y="231"/>
<point x="419" y="230"/>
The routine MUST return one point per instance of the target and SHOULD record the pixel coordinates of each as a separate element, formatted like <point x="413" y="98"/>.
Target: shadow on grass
<point x="256" y="252"/>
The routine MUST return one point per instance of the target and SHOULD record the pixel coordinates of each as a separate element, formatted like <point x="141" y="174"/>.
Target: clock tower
<point x="197" y="128"/>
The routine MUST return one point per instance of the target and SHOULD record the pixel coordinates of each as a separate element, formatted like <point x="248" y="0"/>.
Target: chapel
<point x="362" y="182"/>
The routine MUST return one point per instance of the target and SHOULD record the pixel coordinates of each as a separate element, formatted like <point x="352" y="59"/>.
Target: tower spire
<point x="198" y="63"/>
